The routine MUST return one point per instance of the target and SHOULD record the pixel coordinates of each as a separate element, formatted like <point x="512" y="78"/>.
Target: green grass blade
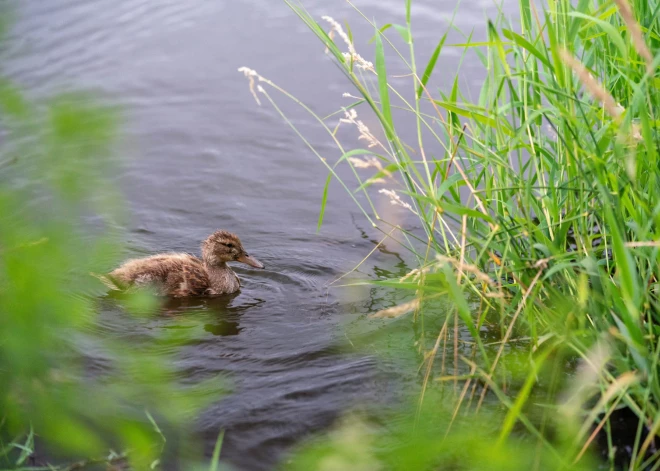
<point x="324" y="201"/>
<point x="215" y="460"/>
<point x="383" y="88"/>
<point x="516" y="410"/>
<point x="404" y="32"/>
<point x="480" y="118"/>
<point x="608" y="28"/>
<point x="431" y="65"/>
<point x="525" y="44"/>
<point x="626" y="270"/>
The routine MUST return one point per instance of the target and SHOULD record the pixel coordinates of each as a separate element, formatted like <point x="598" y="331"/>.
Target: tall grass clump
<point x="538" y="203"/>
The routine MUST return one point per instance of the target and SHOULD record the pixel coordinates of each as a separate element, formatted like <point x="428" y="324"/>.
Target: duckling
<point x="181" y="274"/>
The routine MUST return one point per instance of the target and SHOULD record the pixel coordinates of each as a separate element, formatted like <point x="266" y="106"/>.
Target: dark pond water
<point x="198" y="154"/>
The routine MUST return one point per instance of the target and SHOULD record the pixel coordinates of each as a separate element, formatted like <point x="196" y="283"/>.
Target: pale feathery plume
<point x="367" y="162"/>
<point x="635" y="33"/>
<point x="466" y="268"/>
<point x="365" y="134"/>
<point x="251" y="74"/>
<point x="370" y="162"/>
<point x="360" y="62"/>
<point x="588" y="378"/>
<point x="597" y="91"/>
<point x="592" y="85"/>
<point x="397" y="311"/>
<point x="415" y="274"/>
<point x="340" y="31"/>
<point x="359" y="163"/>
<point x="395" y="199"/>
<point x="352" y="54"/>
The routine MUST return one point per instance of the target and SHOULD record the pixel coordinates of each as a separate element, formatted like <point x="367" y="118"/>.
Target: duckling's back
<point x="173" y="274"/>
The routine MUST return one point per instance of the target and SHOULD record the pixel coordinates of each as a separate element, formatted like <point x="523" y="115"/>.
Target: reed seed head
<point x="251" y="75"/>
<point x="636" y="35"/>
<point x="365" y="134"/>
<point x="395" y="199"/>
<point x="352" y="55"/>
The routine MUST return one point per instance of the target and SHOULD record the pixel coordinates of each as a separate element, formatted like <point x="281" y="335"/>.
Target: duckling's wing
<point x="194" y="280"/>
<point x="172" y="274"/>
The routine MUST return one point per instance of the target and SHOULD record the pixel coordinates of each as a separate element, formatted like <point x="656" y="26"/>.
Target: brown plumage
<point x="180" y="274"/>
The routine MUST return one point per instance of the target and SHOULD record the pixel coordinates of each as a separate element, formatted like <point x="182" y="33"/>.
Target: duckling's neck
<point x="222" y="278"/>
<point x="219" y="269"/>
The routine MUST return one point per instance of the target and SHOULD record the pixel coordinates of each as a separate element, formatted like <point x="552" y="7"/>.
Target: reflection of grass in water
<point x="539" y="212"/>
<point x="57" y="220"/>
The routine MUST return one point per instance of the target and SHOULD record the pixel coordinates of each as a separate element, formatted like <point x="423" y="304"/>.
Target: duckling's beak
<point x="248" y="260"/>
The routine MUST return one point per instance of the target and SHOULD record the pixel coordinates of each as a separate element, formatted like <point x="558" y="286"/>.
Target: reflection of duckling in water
<point x="180" y="274"/>
<point x="218" y="314"/>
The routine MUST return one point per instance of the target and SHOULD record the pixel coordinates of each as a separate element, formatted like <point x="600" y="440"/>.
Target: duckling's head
<point x="222" y="246"/>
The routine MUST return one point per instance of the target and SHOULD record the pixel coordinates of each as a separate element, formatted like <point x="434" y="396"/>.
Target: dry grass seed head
<point x="395" y="199"/>
<point x="415" y="274"/>
<point x="397" y="311"/>
<point x="351" y="55"/>
<point x="636" y="34"/>
<point x="467" y="268"/>
<point x="365" y="134"/>
<point x="251" y="75"/>
<point x="597" y="91"/>
<point x="592" y="85"/>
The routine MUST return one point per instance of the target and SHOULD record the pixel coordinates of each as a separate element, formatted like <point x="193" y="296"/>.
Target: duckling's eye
<point x="229" y="245"/>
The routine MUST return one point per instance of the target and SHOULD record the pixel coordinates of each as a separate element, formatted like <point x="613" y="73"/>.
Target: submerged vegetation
<point x="538" y="203"/>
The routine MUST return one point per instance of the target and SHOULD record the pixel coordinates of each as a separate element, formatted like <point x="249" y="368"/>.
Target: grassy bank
<point x="538" y="203"/>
